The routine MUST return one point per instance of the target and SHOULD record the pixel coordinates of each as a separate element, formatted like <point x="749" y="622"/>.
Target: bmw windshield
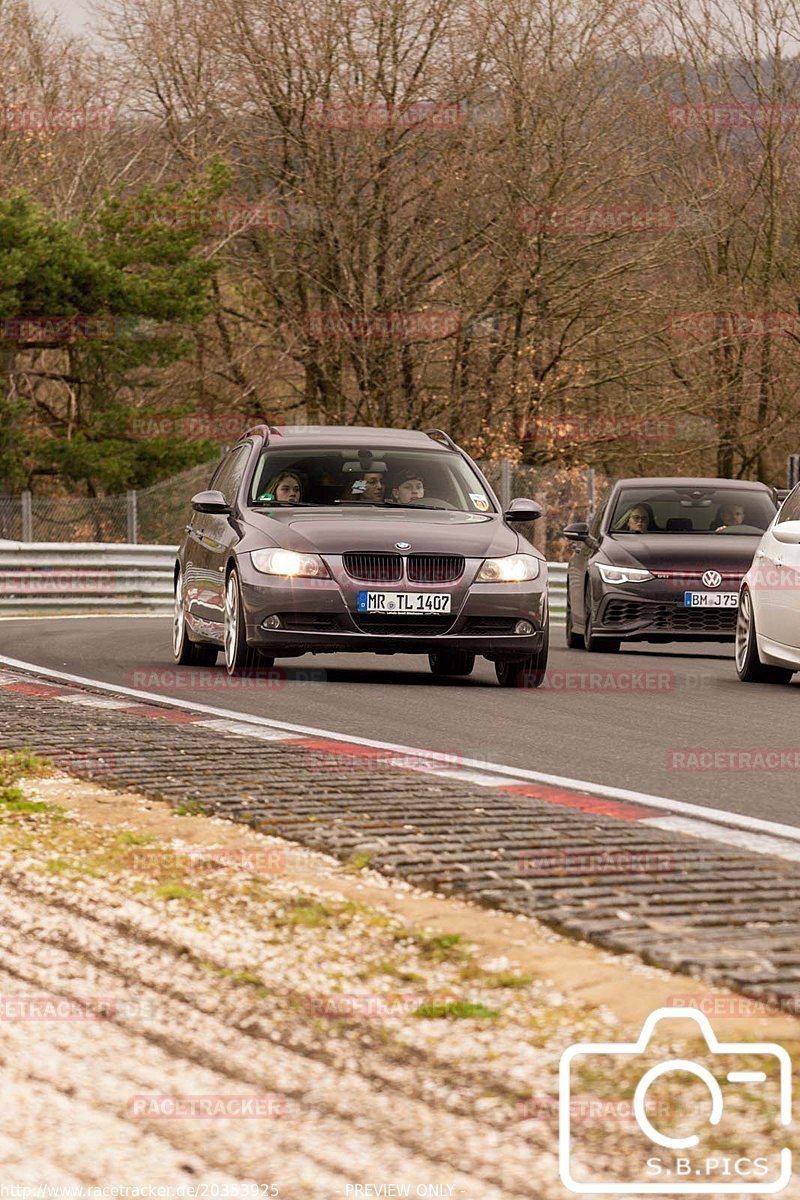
<point x="367" y="476"/>
<point x="691" y="510"/>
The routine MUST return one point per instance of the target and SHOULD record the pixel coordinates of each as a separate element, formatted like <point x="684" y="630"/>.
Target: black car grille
<point x="420" y="626"/>
<point x="670" y="618"/>
<point x="388" y="568"/>
<point x="488" y="625"/>
<point x="373" y="568"/>
<point x="435" y="568"/>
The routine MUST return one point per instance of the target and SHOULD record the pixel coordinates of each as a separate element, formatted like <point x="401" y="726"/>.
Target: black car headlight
<point x="289" y="564"/>
<point x="610" y="574"/>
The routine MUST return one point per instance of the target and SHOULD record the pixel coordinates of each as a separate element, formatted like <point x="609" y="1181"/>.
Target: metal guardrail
<point x="69" y="577"/>
<point x="50" y="577"/>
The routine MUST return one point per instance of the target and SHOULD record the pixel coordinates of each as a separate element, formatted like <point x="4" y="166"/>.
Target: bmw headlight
<point x="610" y="574"/>
<point x="289" y="564"/>
<point x="514" y="568"/>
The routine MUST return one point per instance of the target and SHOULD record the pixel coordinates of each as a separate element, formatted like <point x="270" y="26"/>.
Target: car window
<point x="228" y="476"/>
<point x="377" y="475"/>
<point x="790" y="509"/>
<point x="691" y="510"/>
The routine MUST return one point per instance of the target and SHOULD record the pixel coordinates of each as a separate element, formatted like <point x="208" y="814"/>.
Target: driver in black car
<point x="639" y="519"/>
<point x="730" y="514"/>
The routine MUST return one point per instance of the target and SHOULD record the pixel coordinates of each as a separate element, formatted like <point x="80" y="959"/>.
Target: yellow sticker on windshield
<point x="479" y="501"/>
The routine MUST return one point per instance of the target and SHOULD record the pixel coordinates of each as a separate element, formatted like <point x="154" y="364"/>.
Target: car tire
<point x="239" y="656"/>
<point x="591" y="642"/>
<point x="186" y="652"/>
<point x="749" y="666"/>
<point x="574" y="640"/>
<point x="451" y="662"/>
<point x="527" y="672"/>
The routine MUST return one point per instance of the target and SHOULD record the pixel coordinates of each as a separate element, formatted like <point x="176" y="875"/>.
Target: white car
<point x="768" y="625"/>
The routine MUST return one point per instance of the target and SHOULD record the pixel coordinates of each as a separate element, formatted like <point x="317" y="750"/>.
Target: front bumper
<point x="654" y="611"/>
<point x="321" y="615"/>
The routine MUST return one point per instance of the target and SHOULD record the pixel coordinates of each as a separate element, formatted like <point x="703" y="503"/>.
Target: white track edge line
<point x="519" y="774"/>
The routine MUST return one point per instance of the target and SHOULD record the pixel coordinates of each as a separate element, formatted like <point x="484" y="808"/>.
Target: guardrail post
<point x="133" y="519"/>
<point x="27" y="517"/>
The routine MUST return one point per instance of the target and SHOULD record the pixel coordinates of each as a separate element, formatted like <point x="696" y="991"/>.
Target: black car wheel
<point x="451" y="662"/>
<point x="527" y="672"/>
<point x="238" y="655"/>
<point x="574" y="640"/>
<point x="749" y="666"/>
<point x="185" y="652"/>
<point x="591" y="642"/>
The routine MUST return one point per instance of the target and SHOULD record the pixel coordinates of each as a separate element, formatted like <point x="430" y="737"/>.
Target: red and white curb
<point x="660" y="812"/>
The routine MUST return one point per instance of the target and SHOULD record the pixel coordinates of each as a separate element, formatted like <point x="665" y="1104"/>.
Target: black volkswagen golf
<point x="662" y="560"/>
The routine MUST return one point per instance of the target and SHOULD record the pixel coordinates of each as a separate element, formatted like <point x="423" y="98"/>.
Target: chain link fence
<point x="157" y="515"/>
<point x="150" y="516"/>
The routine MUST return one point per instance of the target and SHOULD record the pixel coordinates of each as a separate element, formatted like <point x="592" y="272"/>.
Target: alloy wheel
<point x="744" y="627"/>
<point x="231" y="622"/>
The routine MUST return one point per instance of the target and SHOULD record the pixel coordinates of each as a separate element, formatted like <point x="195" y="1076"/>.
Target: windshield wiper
<point x="285" y="504"/>
<point x="397" y="504"/>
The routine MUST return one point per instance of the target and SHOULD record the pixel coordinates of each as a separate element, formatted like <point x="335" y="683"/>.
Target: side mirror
<point x="578" y="531"/>
<point x="523" y="510"/>
<point x="210" y="502"/>
<point x="788" y="533"/>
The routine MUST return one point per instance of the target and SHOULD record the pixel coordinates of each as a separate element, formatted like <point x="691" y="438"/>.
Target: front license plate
<point x="711" y="599"/>
<point x="403" y="603"/>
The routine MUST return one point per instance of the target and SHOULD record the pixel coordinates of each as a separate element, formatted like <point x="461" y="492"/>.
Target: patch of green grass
<point x="387" y="967"/>
<point x="12" y="799"/>
<point x="455" y="1010"/>
<point x="237" y="976"/>
<point x="17" y="764"/>
<point x="358" y="862"/>
<point x="314" y="913"/>
<point x="507" y="979"/>
<point x="177" y="891"/>
<point x="311" y="914"/>
<point x="436" y="947"/>
<point x="129" y="837"/>
<point x="190" y="808"/>
<point x="62" y="866"/>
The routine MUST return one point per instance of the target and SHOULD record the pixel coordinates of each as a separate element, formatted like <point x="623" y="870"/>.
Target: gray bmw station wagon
<point x="390" y="541"/>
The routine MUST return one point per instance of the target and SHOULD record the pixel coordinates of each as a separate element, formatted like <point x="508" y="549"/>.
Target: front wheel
<point x="749" y="666"/>
<point x="238" y="655"/>
<point x="527" y="672"/>
<point x="451" y="662"/>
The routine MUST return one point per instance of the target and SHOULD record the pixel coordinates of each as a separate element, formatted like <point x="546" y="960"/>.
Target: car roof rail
<point x="262" y="431"/>
<point x="439" y="435"/>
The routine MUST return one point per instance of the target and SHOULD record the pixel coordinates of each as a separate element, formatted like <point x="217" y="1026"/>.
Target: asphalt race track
<point x="639" y="719"/>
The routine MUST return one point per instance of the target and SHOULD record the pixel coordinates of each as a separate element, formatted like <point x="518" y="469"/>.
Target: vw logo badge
<point x="402" y="545"/>
<point x="712" y="578"/>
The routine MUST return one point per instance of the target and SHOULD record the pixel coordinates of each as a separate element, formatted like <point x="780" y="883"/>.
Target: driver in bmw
<point x="408" y="487"/>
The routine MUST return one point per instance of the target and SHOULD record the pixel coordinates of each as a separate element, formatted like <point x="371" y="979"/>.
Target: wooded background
<point x="491" y="217"/>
